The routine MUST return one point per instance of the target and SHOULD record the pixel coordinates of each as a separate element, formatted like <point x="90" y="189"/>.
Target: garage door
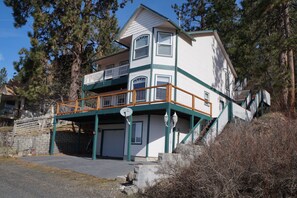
<point x="113" y="143"/>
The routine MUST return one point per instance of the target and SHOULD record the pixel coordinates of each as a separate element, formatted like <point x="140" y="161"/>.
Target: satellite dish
<point x="126" y="112"/>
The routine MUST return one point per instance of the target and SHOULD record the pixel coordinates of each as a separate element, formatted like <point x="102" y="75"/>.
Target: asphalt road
<point x="23" y="179"/>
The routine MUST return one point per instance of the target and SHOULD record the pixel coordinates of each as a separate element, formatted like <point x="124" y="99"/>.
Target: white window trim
<point x="148" y="45"/>
<point x="141" y="134"/>
<point x="171" y="43"/>
<point x="156" y="80"/>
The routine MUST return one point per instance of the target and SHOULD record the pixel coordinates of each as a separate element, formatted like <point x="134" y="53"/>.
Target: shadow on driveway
<point x="103" y="168"/>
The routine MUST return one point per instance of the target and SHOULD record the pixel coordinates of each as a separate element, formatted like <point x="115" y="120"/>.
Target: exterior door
<point x="113" y="143"/>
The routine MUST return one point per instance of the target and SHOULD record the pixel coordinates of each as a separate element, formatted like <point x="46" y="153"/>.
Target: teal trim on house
<point x="189" y="112"/>
<point x="191" y="126"/>
<point x="140" y="68"/>
<point x="164" y="67"/>
<point x="95" y="137"/>
<point x="53" y="136"/>
<point x="129" y="139"/>
<point x="167" y="129"/>
<point x="106" y="83"/>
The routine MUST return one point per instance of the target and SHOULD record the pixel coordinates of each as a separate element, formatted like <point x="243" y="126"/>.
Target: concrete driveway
<point x="103" y="168"/>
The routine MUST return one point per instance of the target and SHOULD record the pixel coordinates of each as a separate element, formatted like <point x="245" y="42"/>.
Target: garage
<point x="113" y="143"/>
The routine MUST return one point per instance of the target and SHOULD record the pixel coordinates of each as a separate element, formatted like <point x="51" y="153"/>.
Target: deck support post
<point x="191" y="126"/>
<point x="173" y="138"/>
<point x="53" y="136"/>
<point x="94" y="150"/>
<point x="168" y="128"/>
<point x="129" y="139"/>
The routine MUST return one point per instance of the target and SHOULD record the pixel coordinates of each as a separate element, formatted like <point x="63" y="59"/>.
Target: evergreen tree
<point x="3" y="76"/>
<point x="76" y="29"/>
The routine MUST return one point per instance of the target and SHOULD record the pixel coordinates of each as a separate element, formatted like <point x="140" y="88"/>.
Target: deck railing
<point x="141" y="96"/>
<point x="107" y="74"/>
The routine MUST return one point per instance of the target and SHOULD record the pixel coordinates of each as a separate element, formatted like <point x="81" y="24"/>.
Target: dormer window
<point x="141" y="47"/>
<point x="164" y="44"/>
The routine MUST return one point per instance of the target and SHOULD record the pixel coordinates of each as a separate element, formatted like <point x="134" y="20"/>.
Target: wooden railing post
<point x="193" y="102"/>
<point x="58" y="108"/>
<point x="98" y="103"/>
<point x="76" y="106"/>
<point x="168" y="92"/>
<point x="134" y="97"/>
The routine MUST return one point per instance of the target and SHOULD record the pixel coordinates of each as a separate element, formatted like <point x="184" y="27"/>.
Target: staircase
<point x="243" y="109"/>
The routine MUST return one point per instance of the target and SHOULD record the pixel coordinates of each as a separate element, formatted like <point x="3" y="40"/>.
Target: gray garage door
<point x="113" y="143"/>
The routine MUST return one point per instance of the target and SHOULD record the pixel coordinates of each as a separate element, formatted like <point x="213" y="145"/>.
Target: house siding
<point x="144" y="21"/>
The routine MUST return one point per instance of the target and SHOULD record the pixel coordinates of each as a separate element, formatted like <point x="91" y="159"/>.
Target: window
<point x="161" y="91"/>
<point x="164" y="45"/>
<point x="136" y="133"/>
<point x="206" y="98"/>
<point x="141" y="46"/>
<point x="137" y="84"/>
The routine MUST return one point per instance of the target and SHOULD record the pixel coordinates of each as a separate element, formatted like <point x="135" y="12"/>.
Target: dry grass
<point x="248" y="160"/>
<point x="6" y="129"/>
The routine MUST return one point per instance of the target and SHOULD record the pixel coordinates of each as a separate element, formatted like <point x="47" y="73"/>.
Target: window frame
<point x="148" y="46"/>
<point x="141" y="133"/>
<point x="145" y="85"/>
<point x="158" y="44"/>
<point x="156" y="81"/>
<point x="207" y="98"/>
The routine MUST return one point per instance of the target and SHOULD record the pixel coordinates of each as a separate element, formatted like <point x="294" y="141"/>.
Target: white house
<point x="163" y="70"/>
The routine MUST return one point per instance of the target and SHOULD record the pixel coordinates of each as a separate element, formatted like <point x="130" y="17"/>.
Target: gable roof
<point x="138" y="10"/>
<point x="215" y="34"/>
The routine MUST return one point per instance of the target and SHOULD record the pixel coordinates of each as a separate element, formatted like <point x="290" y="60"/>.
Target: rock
<point x="130" y="176"/>
<point x="130" y="190"/>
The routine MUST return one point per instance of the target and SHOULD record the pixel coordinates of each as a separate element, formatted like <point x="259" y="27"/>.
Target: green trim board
<point x="140" y="68"/>
<point x="129" y="139"/>
<point x="106" y="83"/>
<point x="167" y="128"/>
<point x="95" y="137"/>
<point x="53" y="136"/>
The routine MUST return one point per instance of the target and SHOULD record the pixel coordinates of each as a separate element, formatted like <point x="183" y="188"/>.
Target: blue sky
<point x="13" y="39"/>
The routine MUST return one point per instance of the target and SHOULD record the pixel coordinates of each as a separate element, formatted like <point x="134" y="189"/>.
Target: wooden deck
<point x="142" y="96"/>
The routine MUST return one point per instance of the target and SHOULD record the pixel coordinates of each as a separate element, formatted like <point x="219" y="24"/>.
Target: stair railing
<point x="191" y="132"/>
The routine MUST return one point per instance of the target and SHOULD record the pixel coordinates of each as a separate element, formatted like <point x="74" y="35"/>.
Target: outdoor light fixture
<point x="174" y="119"/>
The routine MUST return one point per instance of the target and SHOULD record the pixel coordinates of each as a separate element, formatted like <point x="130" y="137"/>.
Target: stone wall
<point x="65" y="142"/>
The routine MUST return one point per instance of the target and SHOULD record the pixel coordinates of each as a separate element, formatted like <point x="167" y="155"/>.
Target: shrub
<point x="257" y="159"/>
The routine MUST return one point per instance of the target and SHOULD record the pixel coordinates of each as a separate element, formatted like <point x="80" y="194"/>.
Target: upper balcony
<point x="113" y="70"/>
<point x="108" y="74"/>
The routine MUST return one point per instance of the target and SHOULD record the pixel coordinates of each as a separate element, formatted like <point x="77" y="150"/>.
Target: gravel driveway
<point x="24" y="179"/>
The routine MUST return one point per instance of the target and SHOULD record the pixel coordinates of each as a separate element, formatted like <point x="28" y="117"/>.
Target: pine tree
<point x="79" y="29"/>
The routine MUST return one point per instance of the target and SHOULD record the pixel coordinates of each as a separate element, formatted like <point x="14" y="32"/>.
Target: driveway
<point x="30" y="180"/>
<point x="102" y="168"/>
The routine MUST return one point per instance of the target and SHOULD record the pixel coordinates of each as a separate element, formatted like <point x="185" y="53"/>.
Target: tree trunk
<point x="290" y="56"/>
<point x="75" y="74"/>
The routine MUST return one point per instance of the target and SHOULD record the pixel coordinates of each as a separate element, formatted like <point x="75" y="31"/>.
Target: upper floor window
<point x="164" y="45"/>
<point x="141" y="46"/>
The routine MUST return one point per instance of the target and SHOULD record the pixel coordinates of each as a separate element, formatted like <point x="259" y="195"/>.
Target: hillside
<point x="248" y="160"/>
